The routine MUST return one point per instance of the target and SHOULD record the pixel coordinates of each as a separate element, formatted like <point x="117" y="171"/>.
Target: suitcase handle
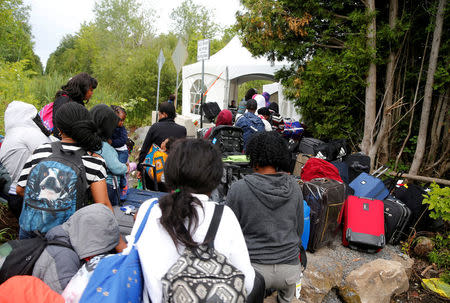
<point x="381" y="170"/>
<point x="144" y="165"/>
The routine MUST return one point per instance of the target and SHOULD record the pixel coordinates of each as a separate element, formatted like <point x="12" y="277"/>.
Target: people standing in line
<point x="268" y="205"/>
<point x="181" y="219"/>
<point x="275" y="118"/>
<point x="249" y="122"/>
<point x="225" y="117"/>
<point x="160" y="131"/>
<point x="24" y="133"/>
<point x="78" y="133"/>
<point x="264" y="114"/>
<point x="171" y="98"/>
<point x="119" y="142"/>
<point x="79" y="89"/>
<point x="106" y="120"/>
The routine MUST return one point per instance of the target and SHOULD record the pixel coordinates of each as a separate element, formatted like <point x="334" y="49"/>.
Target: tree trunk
<point x="436" y="128"/>
<point x="389" y="87"/>
<point x="371" y="89"/>
<point x="422" y="137"/>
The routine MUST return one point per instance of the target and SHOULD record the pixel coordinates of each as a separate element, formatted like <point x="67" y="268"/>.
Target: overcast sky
<point x="52" y="19"/>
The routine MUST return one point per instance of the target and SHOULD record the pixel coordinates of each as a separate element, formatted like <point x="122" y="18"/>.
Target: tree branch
<point x="329" y="46"/>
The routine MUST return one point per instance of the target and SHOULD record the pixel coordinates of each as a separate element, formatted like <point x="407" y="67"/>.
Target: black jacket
<point x="159" y="132"/>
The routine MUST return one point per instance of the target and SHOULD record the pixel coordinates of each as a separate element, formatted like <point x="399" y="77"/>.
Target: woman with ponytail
<point x="78" y="131"/>
<point x="181" y="219"/>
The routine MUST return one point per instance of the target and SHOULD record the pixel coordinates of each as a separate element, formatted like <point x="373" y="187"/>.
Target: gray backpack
<point x="202" y="274"/>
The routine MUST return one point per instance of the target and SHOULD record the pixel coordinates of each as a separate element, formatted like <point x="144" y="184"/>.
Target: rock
<point x="375" y="282"/>
<point x="406" y="261"/>
<point x="321" y="275"/>
<point x="273" y="299"/>
<point x="423" y="246"/>
<point x="139" y="136"/>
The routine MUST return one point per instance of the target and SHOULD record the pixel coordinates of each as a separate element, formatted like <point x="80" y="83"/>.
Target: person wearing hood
<point x="249" y="122"/>
<point x="268" y="205"/>
<point x="266" y="96"/>
<point x="225" y="117"/>
<point x="90" y="231"/>
<point x="106" y="120"/>
<point x="24" y="132"/>
<point x="275" y="119"/>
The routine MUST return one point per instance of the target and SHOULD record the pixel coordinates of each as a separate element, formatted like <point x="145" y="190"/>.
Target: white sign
<point x="179" y="56"/>
<point x="160" y="60"/>
<point x="203" y="50"/>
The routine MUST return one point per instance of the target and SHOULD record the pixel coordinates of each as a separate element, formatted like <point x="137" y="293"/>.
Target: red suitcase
<point x="363" y="224"/>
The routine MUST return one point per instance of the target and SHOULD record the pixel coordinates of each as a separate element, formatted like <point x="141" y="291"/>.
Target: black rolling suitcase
<point x="229" y="139"/>
<point x="308" y="145"/>
<point x="326" y="198"/>
<point x="396" y="217"/>
<point x="211" y="110"/>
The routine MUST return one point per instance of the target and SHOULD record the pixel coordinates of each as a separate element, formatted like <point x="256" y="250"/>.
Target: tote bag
<point x="118" y="278"/>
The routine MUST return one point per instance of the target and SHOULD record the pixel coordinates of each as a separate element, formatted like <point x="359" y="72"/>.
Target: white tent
<point x="224" y="72"/>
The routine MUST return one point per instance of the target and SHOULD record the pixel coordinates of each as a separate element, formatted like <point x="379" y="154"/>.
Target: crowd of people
<point x="65" y="180"/>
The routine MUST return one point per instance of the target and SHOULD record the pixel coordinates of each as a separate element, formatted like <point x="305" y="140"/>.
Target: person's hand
<point x="138" y="174"/>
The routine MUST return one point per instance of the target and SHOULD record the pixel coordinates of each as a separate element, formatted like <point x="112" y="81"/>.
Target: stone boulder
<point x="423" y="246"/>
<point x="139" y="136"/>
<point x="321" y="275"/>
<point x="375" y="282"/>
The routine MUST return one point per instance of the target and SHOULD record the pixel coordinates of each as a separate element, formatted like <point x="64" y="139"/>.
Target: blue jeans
<point x="23" y="234"/>
<point x="113" y="194"/>
<point x="123" y="157"/>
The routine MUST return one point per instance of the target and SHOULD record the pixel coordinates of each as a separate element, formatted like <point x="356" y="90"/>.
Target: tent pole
<point x="201" y="100"/>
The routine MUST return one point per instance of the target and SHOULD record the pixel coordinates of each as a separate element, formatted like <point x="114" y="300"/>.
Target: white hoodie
<point x="22" y="137"/>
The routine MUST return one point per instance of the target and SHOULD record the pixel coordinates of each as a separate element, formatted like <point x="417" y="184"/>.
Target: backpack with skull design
<point x="56" y="188"/>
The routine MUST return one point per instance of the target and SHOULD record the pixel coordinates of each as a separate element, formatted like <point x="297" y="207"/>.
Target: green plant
<point x="440" y="255"/>
<point x="438" y="200"/>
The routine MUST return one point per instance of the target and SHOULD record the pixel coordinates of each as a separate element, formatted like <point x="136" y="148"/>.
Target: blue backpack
<point x="56" y="188"/>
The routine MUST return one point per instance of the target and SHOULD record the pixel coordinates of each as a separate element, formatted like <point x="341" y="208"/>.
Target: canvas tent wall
<point x="224" y="72"/>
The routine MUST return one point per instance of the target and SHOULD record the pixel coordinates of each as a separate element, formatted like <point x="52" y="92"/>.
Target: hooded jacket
<point x="91" y="231"/>
<point x="22" y="137"/>
<point x="225" y="117"/>
<point x="250" y="123"/>
<point x="269" y="209"/>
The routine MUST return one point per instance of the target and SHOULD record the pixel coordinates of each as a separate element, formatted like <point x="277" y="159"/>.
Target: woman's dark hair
<point x="193" y="166"/>
<point x="264" y="111"/>
<point x="169" y="143"/>
<point x="77" y="87"/>
<point x="268" y="149"/>
<point x="249" y="94"/>
<point x="75" y="121"/>
<point x="168" y="108"/>
<point x="118" y="109"/>
<point x="106" y="120"/>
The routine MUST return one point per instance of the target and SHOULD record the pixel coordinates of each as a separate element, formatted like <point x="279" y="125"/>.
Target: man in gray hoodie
<point x="91" y="231"/>
<point x="269" y="207"/>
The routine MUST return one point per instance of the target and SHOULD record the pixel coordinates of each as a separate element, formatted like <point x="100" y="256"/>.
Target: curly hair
<point x="268" y="149"/>
<point x="77" y="87"/>
<point x="118" y="109"/>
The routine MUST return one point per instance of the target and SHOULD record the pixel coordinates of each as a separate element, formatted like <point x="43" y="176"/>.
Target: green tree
<point x="15" y="34"/>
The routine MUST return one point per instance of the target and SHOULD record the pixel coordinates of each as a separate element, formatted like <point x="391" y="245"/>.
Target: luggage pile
<point x="338" y="189"/>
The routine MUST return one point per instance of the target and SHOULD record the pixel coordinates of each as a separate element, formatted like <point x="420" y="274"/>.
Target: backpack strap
<point x="144" y="221"/>
<point x="213" y="226"/>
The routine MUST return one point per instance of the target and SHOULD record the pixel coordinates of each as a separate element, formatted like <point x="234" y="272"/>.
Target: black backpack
<point x="56" y="188"/>
<point x="229" y="139"/>
<point x="22" y="255"/>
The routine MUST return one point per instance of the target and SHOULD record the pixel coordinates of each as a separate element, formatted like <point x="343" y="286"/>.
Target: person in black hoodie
<point x="160" y="131"/>
<point x="269" y="207"/>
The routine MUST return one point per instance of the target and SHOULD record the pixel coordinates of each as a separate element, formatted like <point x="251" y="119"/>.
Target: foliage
<point x="244" y="87"/>
<point x="15" y="35"/>
<point x="440" y="255"/>
<point x="438" y="200"/>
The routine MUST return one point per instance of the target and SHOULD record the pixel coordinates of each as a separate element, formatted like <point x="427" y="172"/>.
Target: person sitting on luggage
<point x="249" y="122"/>
<point x="158" y="132"/>
<point x="78" y="132"/>
<point x="181" y="219"/>
<point x="268" y="205"/>
<point x="264" y="114"/>
<point x="24" y="133"/>
<point x="106" y="120"/>
<point x="90" y="231"/>
<point x="225" y="117"/>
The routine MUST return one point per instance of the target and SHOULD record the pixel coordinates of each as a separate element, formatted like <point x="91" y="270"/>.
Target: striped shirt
<point x="95" y="166"/>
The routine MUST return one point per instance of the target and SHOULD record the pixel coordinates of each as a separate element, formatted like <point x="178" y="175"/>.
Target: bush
<point x="438" y="200"/>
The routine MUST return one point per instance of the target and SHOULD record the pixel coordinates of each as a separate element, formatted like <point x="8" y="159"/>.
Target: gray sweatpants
<point x="281" y="277"/>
